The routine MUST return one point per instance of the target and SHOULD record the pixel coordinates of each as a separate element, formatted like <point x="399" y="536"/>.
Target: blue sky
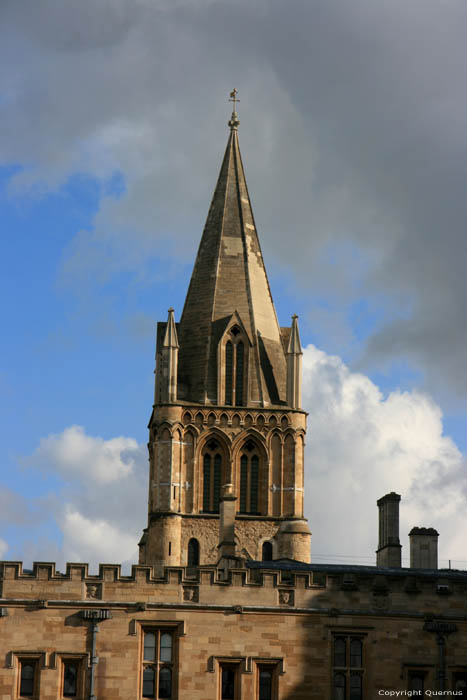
<point x="113" y="129"/>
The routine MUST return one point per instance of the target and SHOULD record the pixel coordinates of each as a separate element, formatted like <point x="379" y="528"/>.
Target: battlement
<point x="282" y="585"/>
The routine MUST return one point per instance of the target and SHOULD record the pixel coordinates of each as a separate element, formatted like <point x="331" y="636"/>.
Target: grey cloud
<point x="352" y="133"/>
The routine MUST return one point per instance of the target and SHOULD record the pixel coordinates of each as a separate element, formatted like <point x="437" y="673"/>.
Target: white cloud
<point x="76" y="455"/>
<point x="96" y="541"/>
<point x="361" y="445"/>
<point x="99" y="506"/>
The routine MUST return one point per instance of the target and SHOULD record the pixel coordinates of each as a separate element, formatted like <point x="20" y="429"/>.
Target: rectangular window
<point x="72" y="676"/>
<point x="417" y="681"/>
<point x="459" y="683"/>
<point x="27" y="678"/>
<point x="158" y="664"/>
<point x="266" y="681"/>
<point x="229" y="681"/>
<point x="347" y="667"/>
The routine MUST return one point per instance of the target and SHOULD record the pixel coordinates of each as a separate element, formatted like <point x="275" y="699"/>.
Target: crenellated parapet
<point x="332" y="589"/>
<point x="292" y="615"/>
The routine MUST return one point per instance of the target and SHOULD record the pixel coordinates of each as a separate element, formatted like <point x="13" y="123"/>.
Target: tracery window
<point x="249" y="479"/>
<point x="212" y="473"/>
<point x="235" y="363"/>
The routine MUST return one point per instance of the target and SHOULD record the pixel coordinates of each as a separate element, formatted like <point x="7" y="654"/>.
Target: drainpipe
<point x="441" y="642"/>
<point x="95" y="616"/>
<point x="441" y="629"/>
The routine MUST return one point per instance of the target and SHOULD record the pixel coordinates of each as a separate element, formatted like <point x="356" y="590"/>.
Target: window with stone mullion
<point x="157" y="681"/>
<point x="234" y="370"/>
<point x="347" y="668"/>
<point x="212" y="472"/>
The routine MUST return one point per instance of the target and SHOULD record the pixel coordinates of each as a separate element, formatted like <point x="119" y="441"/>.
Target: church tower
<point x="226" y="435"/>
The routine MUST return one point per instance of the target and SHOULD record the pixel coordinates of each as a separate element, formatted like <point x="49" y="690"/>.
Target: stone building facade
<point x="225" y="603"/>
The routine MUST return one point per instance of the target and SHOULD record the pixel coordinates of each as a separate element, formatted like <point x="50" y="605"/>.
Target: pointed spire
<point x="229" y="275"/>
<point x="294" y="347"/>
<point x="167" y="363"/>
<point x="170" y="337"/>
<point x="294" y="366"/>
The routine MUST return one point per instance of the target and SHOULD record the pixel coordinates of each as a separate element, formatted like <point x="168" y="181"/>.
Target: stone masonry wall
<point x="285" y="618"/>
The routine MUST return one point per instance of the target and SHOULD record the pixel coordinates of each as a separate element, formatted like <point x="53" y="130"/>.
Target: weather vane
<point x="233" y="98"/>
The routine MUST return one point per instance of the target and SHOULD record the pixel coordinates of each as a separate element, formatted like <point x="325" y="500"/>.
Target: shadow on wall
<point x="368" y="645"/>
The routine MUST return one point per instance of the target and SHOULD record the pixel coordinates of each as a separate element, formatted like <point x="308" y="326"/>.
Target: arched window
<point x="266" y="553"/>
<point x="212" y="470"/>
<point x="249" y="479"/>
<point x="27" y="679"/>
<point x="193" y="552"/>
<point x="348" y="668"/>
<point x="340" y="646"/>
<point x="235" y="365"/>
<point x="229" y="373"/>
<point x="356" y="653"/>
<point x="239" y="375"/>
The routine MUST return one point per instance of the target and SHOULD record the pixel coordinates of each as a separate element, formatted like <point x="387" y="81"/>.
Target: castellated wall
<point x="285" y="618"/>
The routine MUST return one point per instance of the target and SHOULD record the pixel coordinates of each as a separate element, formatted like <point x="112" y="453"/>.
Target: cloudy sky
<point x="112" y="128"/>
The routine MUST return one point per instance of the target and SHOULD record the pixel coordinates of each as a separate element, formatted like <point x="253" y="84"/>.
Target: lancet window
<point x="212" y="473"/>
<point x="249" y="479"/>
<point x="193" y="552"/>
<point x="235" y="380"/>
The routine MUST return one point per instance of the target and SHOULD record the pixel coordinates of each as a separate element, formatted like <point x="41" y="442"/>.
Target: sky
<point x="113" y="124"/>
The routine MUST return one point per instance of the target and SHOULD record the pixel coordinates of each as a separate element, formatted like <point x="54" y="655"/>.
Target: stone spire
<point x="166" y="370"/>
<point x="224" y="440"/>
<point x="294" y="366"/>
<point x="229" y="277"/>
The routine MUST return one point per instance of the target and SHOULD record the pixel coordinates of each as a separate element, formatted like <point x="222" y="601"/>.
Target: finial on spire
<point x="234" y="121"/>
<point x="233" y="98"/>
